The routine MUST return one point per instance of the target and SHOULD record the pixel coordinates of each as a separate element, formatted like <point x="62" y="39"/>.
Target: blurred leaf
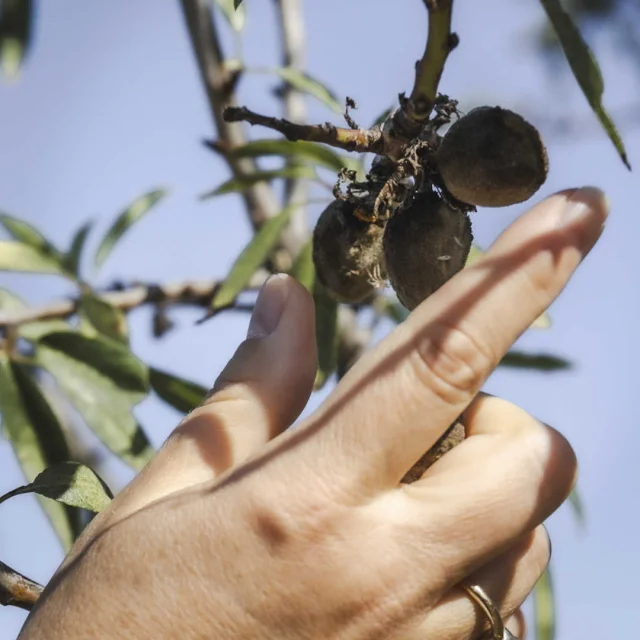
<point x="576" y="504"/>
<point x="537" y="361"/>
<point x="16" y="18"/>
<point x="544" y="607"/>
<point x="542" y="322"/>
<point x="311" y="151"/>
<point x="72" y="257"/>
<point x="104" y="317"/>
<point x="585" y="69"/>
<point x="383" y="116"/>
<point x="30" y="330"/>
<point x="37" y="438"/>
<point x="395" y="311"/>
<point x="236" y="3"/>
<point x="303" y="82"/>
<point x="235" y="185"/>
<point x="24" y="232"/>
<point x="70" y="483"/>
<point x="326" y="334"/>
<point x="124" y="222"/>
<point x="104" y="381"/>
<point x="183" y="395"/>
<point x="18" y="256"/>
<point x="303" y="269"/>
<point x="233" y="12"/>
<point x="251" y="258"/>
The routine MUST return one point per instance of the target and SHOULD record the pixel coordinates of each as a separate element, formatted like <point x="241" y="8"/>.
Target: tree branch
<point x="219" y="81"/>
<point x="17" y="590"/>
<point x="191" y="293"/>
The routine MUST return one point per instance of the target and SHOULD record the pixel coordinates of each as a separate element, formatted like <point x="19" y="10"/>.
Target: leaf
<point x="236" y="3"/>
<point x="311" y="151"/>
<point x="383" y="116"/>
<point x="70" y="483"/>
<point x="134" y="212"/>
<point x="36" y="436"/>
<point x="537" y="361"/>
<point x="21" y="257"/>
<point x="24" y="232"/>
<point x="104" y="317"/>
<point x="71" y="258"/>
<point x="304" y="82"/>
<point x="183" y="395"/>
<point x="104" y="381"/>
<point x="235" y="185"/>
<point x="585" y="69"/>
<point x="303" y="269"/>
<point x="395" y="311"/>
<point x="16" y="17"/>
<point x="251" y="258"/>
<point x="576" y="504"/>
<point x="326" y="334"/>
<point x="544" y="607"/>
<point x="542" y="322"/>
<point x="30" y="330"/>
<point x="234" y="13"/>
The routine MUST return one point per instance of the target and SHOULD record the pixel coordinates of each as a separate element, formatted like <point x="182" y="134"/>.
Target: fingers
<point x="426" y="372"/>
<point x="507" y="477"/>
<point x="507" y="580"/>
<point x="259" y="394"/>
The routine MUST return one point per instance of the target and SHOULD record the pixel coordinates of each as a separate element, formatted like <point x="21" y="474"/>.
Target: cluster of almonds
<point x="490" y="157"/>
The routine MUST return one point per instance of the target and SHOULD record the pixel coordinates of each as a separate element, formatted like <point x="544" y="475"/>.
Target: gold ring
<point x="480" y="597"/>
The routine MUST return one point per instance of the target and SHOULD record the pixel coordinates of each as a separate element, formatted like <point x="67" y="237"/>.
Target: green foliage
<point x="233" y="13"/>
<point x="326" y="334"/>
<point x="23" y="258"/>
<point x="132" y="214"/>
<point x="537" y="361"/>
<point x="238" y="185"/>
<point x="304" y="82"/>
<point x="103" y="317"/>
<point x="183" y="395"/>
<point x="104" y="381"/>
<point x="585" y="69"/>
<point x="69" y="483"/>
<point x="575" y="501"/>
<point x="36" y="435"/>
<point x="73" y="256"/>
<point x="16" y="18"/>
<point x="544" y="607"/>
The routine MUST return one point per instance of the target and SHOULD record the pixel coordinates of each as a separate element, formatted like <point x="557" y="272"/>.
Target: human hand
<point x="240" y="529"/>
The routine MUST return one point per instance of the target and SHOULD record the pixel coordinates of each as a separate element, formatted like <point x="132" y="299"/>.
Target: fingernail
<point x="582" y="203"/>
<point x="269" y="307"/>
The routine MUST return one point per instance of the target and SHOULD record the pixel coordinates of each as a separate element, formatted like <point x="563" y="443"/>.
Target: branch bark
<point x="17" y="590"/>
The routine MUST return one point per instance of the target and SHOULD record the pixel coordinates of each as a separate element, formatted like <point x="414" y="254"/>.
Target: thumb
<point x="260" y="392"/>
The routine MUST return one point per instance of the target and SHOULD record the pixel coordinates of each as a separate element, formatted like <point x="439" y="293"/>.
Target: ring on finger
<point x="480" y="597"/>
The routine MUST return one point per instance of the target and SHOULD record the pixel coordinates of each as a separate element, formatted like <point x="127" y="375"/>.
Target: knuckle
<point x="451" y="362"/>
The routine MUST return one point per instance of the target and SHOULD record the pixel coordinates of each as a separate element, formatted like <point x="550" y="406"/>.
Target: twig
<point x="193" y="293"/>
<point x="362" y="140"/>
<point x="17" y="590"/>
<point x="295" y="108"/>
<point x="219" y="80"/>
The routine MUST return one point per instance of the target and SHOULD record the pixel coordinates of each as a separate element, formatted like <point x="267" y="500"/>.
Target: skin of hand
<point x="242" y="528"/>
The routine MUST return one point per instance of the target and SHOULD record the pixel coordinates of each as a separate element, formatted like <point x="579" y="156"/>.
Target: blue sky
<point x="110" y="106"/>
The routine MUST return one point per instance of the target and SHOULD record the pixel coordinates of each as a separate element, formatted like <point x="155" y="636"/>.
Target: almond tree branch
<point x="191" y="293"/>
<point x="292" y="38"/>
<point x="219" y="80"/>
<point x="17" y="590"/>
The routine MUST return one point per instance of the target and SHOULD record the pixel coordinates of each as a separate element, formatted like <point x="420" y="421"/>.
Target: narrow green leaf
<point x="315" y="153"/>
<point x="585" y="69"/>
<point x="70" y="483"/>
<point x="326" y="334"/>
<point x="31" y="330"/>
<point x="21" y="257"/>
<point x="542" y="322"/>
<point x="575" y="501"/>
<point x="183" y="395"/>
<point x="104" y="317"/>
<point x="251" y="258"/>
<point x="235" y="185"/>
<point x="383" y="116"/>
<point x="536" y="361"/>
<point x="236" y="3"/>
<point x="234" y="13"/>
<point x="24" y="232"/>
<point x="544" y="607"/>
<point x="395" y="311"/>
<point x="134" y="212"/>
<point x="37" y="438"/>
<point x="304" y="82"/>
<point x="104" y="381"/>
<point x="72" y="257"/>
<point x="16" y="17"/>
<point x="303" y="269"/>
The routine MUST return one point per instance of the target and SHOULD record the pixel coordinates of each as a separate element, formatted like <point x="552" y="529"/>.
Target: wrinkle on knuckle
<point x="451" y="362"/>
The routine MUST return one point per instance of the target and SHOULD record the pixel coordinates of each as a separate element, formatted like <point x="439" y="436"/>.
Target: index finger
<point x="399" y="398"/>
